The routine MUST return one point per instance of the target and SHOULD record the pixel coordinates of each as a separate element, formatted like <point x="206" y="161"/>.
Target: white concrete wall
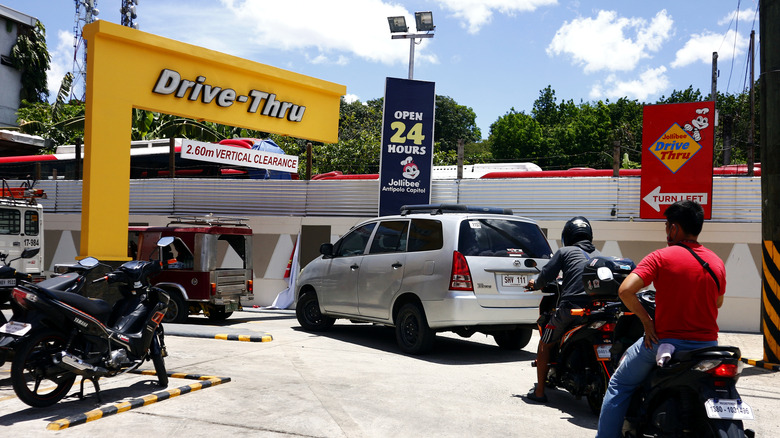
<point x="738" y="244"/>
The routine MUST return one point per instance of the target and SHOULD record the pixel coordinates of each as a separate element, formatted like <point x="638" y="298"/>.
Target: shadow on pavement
<point x="446" y="350"/>
<point x="72" y="405"/>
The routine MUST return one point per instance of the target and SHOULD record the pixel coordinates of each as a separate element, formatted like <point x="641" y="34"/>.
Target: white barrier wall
<point x="738" y="244"/>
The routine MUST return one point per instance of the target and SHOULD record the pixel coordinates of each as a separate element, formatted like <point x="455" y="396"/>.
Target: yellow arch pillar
<point x="127" y="68"/>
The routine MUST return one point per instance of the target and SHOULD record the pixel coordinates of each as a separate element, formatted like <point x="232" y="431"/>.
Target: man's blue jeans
<point x="635" y="366"/>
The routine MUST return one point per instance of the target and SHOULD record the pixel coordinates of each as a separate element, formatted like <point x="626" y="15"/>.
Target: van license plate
<point x="15" y="328"/>
<point x="514" y="280"/>
<point x="728" y="409"/>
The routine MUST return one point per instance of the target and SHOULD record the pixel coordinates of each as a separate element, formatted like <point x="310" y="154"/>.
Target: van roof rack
<point x="452" y="208"/>
<point x="209" y="220"/>
<point x="25" y="194"/>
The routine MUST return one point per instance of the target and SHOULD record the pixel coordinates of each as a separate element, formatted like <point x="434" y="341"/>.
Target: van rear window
<point x="502" y="238"/>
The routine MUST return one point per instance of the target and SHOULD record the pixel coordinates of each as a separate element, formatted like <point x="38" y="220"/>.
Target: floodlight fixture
<point x="397" y="24"/>
<point x="399" y="30"/>
<point x="424" y="21"/>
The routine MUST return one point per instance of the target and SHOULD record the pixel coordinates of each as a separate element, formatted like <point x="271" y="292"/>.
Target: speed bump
<point x="95" y="414"/>
<point x="762" y="364"/>
<point x="264" y="337"/>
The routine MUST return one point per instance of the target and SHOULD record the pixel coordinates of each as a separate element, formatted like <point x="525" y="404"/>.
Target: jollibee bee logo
<point x="411" y="171"/>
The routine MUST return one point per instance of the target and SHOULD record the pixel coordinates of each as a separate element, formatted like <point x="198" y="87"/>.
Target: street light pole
<point x="412" y="37"/>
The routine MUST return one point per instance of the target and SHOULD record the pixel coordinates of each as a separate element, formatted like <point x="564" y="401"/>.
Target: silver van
<point x="432" y="268"/>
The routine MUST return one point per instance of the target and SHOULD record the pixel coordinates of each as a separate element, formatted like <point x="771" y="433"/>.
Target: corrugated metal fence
<point x="735" y="199"/>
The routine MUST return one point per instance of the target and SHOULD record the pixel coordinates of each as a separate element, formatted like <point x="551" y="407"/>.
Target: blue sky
<point x="490" y="55"/>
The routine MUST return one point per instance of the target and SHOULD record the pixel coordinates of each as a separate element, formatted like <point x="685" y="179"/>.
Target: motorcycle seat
<point x="98" y="309"/>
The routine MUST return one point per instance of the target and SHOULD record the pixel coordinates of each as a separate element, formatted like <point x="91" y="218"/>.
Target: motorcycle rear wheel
<point x="35" y="379"/>
<point x="596" y="397"/>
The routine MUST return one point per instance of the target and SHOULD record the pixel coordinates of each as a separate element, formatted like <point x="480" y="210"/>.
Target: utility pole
<point x="751" y="132"/>
<point x="769" y="77"/>
<point x="714" y="91"/>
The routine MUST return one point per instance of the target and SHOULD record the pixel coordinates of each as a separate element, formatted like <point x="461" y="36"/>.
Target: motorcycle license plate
<point x="15" y="328"/>
<point x="728" y="409"/>
<point x="7" y="282"/>
<point x="602" y="351"/>
<point x="514" y="280"/>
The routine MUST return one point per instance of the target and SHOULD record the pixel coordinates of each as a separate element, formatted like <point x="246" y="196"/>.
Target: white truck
<point x="21" y="226"/>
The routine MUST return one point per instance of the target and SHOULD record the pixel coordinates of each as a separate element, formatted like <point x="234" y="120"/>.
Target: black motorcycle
<point x="9" y="278"/>
<point x="693" y="395"/>
<point x="63" y="335"/>
<point x="581" y="364"/>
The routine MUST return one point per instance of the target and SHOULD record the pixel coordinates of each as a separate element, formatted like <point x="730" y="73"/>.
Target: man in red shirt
<point x="688" y="296"/>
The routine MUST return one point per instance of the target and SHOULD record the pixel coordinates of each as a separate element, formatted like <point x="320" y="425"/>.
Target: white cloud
<point x="349" y="98"/>
<point x="651" y="82"/>
<point x="699" y="48"/>
<point x="61" y="63"/>
<point x="748" y="15"/>
<point x="609" y="42"/>
<point x="329" y="32"/>
<point x="475" y="14"/>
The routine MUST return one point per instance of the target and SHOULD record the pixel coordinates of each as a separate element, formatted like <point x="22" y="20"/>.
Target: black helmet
<point x="576" y="229"/>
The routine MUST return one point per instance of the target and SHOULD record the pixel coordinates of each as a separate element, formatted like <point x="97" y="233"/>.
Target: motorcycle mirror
<point x="165" y="241"/>
<point x="89" y="262"/>
<point x="604" y="274"/>
<point x="530" y="263"/>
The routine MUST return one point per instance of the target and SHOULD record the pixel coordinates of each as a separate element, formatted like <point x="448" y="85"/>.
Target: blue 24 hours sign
<point x="406" y="162"/>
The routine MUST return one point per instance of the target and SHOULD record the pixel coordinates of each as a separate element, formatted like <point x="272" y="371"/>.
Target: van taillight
<point x="250" y="286"/>
<point x="213" y="288"/>
<point x="461" y="275"/>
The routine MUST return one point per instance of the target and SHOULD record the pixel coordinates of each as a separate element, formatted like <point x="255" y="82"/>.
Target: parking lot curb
<point x="762" y="364"/>
<point x="96" y="414"/>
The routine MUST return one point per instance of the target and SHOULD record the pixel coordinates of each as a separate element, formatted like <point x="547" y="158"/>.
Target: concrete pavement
<point x="348" y="382"/>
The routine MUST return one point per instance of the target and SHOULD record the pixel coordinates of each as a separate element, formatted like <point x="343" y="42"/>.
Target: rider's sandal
<point x="535" y="398"/>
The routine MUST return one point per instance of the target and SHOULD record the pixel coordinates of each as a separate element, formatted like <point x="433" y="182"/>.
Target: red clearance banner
<point x="677" y="155"/>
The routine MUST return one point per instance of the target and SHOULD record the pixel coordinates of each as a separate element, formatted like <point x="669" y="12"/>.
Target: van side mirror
<point x="326" y="249"/>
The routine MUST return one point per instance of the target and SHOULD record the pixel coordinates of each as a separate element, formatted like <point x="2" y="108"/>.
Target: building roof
<point x="17" y="16"/>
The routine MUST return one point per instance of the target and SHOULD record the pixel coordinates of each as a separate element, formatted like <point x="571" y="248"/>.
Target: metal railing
<point x="734" y="199"/>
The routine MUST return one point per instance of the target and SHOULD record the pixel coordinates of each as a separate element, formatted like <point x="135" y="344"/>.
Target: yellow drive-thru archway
<point x="127" y="68"/>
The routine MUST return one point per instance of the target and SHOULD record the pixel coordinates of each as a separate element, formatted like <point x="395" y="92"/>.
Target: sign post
<point x="677" y="151"/>
<point x="406" y="163"/>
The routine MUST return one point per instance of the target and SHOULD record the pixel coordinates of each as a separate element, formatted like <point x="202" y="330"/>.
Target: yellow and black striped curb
<point x="265" y="337"/>
<point x="770" y="300"/>
<point x="762" y="364"/>
<point x="96" y="414"/>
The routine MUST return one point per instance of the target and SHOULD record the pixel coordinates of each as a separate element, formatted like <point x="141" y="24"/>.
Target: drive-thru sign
<point x="677" y="148"/>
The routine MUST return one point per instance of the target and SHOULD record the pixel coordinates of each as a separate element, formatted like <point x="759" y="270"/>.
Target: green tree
<point x="30" y="56"/>
<point x="677" y="96"/>
<point x="516" y="136"/>
<point x="454" y="122"/>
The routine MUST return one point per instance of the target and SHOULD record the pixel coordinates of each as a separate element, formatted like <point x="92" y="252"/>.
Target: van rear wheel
<point x="512" y="339"/>
<point x="412" y="332"/>
<point x="217" y="313"/>
<point x="177" y="309"/>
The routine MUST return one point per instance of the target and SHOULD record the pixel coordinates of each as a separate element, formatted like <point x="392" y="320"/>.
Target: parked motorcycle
<point x="581" y="362"/>
<point x="62" y="335"/>
<point x="9" y="278"/>
<point x="693" y="395"/>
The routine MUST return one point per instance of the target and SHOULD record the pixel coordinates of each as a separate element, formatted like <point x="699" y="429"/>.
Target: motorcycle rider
<point x="577" y="236"/>
<point x="688" y="296"/>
